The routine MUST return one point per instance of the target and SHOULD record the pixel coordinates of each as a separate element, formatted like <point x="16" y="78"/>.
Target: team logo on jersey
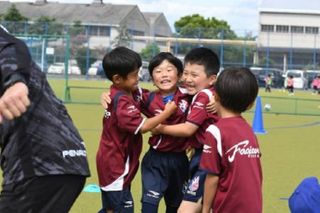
<point x="206" y="148"/>
<point x="198" y="104"/>
<point x="194" y="184"/>
<point x="183" y="105"/>
<point x="131" y="109"/>
<point x="107" y="114"/>
<point x="242" y="149"/>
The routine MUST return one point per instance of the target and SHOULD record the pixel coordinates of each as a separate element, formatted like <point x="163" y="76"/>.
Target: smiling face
<point x="128" y="84"/>
<point x="195" y="78"/>
<point x="165" y="77"/>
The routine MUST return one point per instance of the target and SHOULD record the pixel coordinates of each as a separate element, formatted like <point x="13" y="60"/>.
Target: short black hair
<point x="158" y="59"/>
<point x="237" y="89"/>
<point x="206" y="57"/>
<point x="121" y="61"/>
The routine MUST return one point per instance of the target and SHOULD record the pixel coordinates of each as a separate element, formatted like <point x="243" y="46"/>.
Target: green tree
<point x="196" y="26"/>
<point x="46" y="25"/>
<point x="15" y="20"/>
<point x="123" y="38"/>
<point x="149" y="51"/>
<point x="81" y="59"/>
<point x="76" y="28"/>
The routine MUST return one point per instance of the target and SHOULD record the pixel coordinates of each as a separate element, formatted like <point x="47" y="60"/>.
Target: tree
<point x="149" y="51"/>
<point x="196" y="26"/>
<point x="123" y="38"/>
<point x="76" y="29"/>
<point x="16" y="21"/>
<point x="46" y="25"/>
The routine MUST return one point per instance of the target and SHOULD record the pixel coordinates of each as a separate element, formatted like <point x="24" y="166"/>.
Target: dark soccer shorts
<point x="117" y="201"/>
<point x="46" y="194"/>
<point x="193" y="190"/>
<point x="163" y="175"/>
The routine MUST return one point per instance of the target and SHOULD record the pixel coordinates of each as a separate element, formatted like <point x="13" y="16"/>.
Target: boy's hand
<point x="14" y="101"/>
<point x="170" y="107"/>
<point x="211" y="106"/>
<point x="105" y="99"/>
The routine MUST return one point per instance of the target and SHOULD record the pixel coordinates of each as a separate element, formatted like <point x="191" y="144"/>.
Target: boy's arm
<point x="186" y="129"/>
<point x="210" y="188"/>
<point x="151" y="123"/>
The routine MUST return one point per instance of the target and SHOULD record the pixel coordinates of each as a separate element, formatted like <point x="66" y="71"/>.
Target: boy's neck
<point x="129" y="93"/>
<point x="225" y="113"/>
<point x="165" y="93"/>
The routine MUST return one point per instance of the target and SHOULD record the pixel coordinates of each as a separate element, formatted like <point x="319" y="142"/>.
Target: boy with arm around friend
<point x="121" y="139"/>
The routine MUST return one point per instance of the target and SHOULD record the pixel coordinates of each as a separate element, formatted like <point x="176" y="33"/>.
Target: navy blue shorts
<point x="163" y="175"/>
<point x="117" y="201"/>
<point x="193" y="190"/>
<point x="50" y="194"/>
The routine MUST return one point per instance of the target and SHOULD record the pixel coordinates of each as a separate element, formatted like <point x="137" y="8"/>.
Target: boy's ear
<point x="212" y="79"/>
<point x="116" y="79"/>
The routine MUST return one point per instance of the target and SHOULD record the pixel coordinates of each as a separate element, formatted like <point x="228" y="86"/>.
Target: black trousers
<point x="44" y="194"/>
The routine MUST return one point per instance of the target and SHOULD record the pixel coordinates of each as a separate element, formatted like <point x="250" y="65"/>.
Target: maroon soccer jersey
<point x="167" y="143"/>
<point x="231" y="151"/>
<point x="199" y="116"/>
<point x="121" y="142"/>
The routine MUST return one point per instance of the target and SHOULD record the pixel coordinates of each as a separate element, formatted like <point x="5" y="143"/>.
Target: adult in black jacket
<point x="43" y="157"/>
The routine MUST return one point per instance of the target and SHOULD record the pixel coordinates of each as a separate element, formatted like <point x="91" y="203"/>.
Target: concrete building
<point x="289" y="34"/>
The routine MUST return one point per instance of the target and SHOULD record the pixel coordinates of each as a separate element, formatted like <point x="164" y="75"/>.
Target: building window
<point x="296" y="29"/>
<point x="104" y="31"/>
<point x="312" y="30"/>
<point x="267" y="28"/>
<point x="93" y="30"/>
<point x="135" y="32"/>
<point x="282" y="28"/>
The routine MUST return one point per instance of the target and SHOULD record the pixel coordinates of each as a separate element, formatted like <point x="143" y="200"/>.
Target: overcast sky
<point x="242" y="15"/>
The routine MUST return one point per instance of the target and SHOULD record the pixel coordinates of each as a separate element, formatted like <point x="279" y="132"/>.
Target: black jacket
<point x="44" y="140"/>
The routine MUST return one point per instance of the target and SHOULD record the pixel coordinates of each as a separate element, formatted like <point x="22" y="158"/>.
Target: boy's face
<point x="195" y="78"/>
<point x="165" y="77"/>
<point x="130" y="83"/>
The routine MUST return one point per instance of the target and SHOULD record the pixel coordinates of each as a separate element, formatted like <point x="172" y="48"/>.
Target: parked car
<point x="58" y="68"/>
<point x="276" y="75"/>
<point x="311" y="74"/>
<point x="299" y="79"/>
<point x="96" y="69"/>
<point x="144" y="74"/>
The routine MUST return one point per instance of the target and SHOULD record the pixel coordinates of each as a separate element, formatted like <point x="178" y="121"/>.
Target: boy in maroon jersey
<point x="199" y="75"/>
<point x="121" y="140"/>
<point x="231" y="153"/>
<point x="164" y="167"/>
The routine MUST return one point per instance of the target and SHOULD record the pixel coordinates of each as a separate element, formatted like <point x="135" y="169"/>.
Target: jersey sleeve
<point x="212" y="151"/>
<point x="198" y="113"/>
<point x="15" y="61"/>
<point x="128" y="114"/>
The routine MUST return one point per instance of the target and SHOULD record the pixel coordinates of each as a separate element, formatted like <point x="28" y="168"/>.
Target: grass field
<point x="290" y="149"/>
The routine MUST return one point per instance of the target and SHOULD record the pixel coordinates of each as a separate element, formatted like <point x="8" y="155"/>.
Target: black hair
<point x="121" y="61"/>
<point x="237" y="89"/>
<point x="158" y="59"/>
<point x="206" y="57"/>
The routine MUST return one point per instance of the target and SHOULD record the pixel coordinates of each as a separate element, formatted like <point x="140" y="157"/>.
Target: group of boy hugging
<point x="223" y="173"/>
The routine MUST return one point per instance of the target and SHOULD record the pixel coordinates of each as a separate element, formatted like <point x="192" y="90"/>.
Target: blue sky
<point x="241" y="15"/>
